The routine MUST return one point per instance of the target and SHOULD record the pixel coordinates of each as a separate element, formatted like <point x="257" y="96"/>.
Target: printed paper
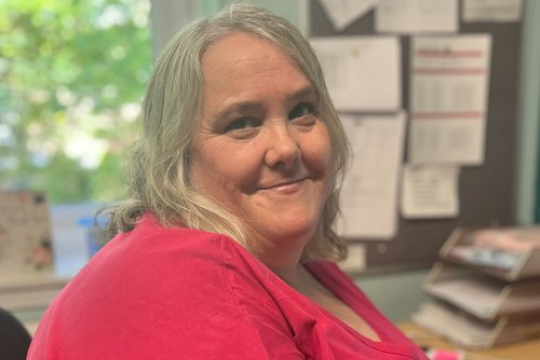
<point x="26" y="248"/>
<point x="448" y="99"/>
<point x="344" y="12"/>
<point x="492" y="10"/>
<point x="430" y="192"/>
<point x="415" y="16"/>
<point x="363" y="73"/>
<point x="369" y="195"/>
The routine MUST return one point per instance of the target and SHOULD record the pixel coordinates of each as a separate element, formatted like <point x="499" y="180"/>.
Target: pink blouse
<point x="156" y="293"/>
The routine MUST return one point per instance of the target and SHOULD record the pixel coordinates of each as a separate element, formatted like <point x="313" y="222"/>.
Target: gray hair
<point x="159" y="176"/>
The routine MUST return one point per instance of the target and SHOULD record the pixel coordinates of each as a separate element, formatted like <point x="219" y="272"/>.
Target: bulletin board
<point x="486" y="192"/>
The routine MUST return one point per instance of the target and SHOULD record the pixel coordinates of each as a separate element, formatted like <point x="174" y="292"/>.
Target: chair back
<point x="14" y="338"/>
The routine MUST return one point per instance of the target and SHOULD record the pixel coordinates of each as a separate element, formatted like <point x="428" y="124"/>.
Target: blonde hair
<point x="159" y="175"/>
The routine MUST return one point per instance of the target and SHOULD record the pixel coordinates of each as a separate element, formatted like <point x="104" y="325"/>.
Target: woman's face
<point x="259" y="149"/>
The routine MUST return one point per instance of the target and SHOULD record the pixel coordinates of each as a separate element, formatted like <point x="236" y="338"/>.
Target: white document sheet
<point x="369" y="195"/>
<point x="492" y="10"/>
<point x="342" y="13"/>
<point x="430" y="192"/>
<point x="356" y="259"/>
<point x="415" y="16"/>
<point x="363" y="73"/>
<point x="448" y="99"/>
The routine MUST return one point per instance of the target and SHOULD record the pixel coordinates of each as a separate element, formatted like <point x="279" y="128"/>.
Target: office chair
<point x="14" y="338"/>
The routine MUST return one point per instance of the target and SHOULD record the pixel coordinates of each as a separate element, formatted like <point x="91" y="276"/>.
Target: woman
<point x="224" y="247"/>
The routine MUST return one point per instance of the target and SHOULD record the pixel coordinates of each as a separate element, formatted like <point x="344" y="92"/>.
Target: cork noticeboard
<point x="486" y="192"/>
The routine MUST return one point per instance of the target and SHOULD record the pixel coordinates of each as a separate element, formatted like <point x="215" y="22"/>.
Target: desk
<point x="525" y="350"/>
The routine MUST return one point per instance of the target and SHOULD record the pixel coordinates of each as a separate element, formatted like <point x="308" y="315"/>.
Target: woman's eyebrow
<point x="305" y="92"/>
<point x="247" y="106"/>
<point x="236" y="108"/>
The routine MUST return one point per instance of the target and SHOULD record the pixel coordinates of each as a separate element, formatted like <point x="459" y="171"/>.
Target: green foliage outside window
<point x="72" y="77"/>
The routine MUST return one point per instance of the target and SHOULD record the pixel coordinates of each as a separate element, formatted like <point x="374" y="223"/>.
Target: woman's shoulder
<point x="156" y="264"/>
<point x="186" y="288"/>
<point x="152" y="253"/>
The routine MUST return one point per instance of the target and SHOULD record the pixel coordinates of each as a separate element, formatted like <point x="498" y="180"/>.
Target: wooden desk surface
<point x="525" y="350"/>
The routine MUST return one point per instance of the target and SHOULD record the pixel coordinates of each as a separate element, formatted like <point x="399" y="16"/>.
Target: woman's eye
<point x="301" y="110"/>
<point x="242" y="128"/>
<point x="240" y="124"/>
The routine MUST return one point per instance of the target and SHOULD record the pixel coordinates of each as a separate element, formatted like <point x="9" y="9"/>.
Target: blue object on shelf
<point x="95" y="232"/>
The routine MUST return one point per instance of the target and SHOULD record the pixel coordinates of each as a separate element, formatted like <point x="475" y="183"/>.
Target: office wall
<point x="486" y="192"/>
<point x="397" y="295"/>
<point x="169" y="16"/>
<point x="527" y="169"/>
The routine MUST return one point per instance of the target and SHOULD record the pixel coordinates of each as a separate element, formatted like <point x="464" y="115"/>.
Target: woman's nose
<point x="283" y="149"/>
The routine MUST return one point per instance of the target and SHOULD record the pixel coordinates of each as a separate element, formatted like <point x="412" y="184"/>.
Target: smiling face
<point x="259" y="149"/>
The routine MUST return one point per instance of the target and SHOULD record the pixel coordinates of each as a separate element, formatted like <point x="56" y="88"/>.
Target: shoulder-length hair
<point x="159" y="172"/>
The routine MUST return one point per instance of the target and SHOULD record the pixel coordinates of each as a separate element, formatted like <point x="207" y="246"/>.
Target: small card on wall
<point x="430" y="192"/>
<point x="356" y="259"/>
<point x="25" y="234"/>
<point x="492" y="10"/>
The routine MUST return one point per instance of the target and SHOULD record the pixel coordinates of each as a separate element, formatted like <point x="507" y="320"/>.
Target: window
<point x="72" y="77"/>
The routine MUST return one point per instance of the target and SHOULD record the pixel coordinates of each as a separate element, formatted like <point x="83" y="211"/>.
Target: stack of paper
<point x="453" y="325"/>
<point x="482" y="296"/>
<point x="466" y="331"/>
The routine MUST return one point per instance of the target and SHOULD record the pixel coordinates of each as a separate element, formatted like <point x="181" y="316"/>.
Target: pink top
<point x="156" y="293"/>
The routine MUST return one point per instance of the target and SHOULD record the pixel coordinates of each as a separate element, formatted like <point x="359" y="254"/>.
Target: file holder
<point x="486" y="297"/>
<point x="485" y="290"/>
<point x="509" y="266"/>
<point x="464" y="330"/>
